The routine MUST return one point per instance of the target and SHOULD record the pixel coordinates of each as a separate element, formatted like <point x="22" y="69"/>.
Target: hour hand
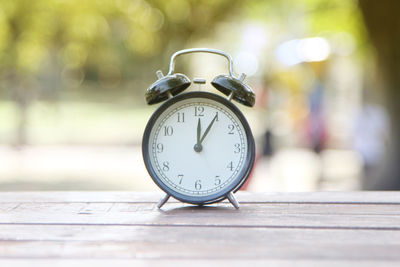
<point x="198" y="147"/>
<point x="198" y="131"/>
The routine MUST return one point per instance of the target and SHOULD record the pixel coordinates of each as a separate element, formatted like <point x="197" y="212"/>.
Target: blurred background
<point x="73" y="74"/>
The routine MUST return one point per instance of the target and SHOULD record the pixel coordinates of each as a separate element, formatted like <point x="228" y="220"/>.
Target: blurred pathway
<point x="73" y="168"/>
<point x="122" y="168"/>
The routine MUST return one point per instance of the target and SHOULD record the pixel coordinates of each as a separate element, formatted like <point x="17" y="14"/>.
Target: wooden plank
<point x="191" y="263"/>
<point x="356" y="197"/>
<point x="97" y="242"/>
<point x="310" y="228"/>
<point x="71" y="196"/>
<point x="368" y="197"/>
<point x="271" y="208"/>
<point x="241" y="236"/>
<point x="249" y="215"/>
<point x="185" y="250"/>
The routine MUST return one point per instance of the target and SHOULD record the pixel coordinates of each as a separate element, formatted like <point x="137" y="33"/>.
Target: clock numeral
<point x="237" y="148"/>
<point x="217" y="180"/>
<point x="168" y="130"/>
<point x="160" y="148"/>
<point x="165" y="166"/>
<point x="181" y="117"/>
<point x="197" y="185"/>
<point x="231" y="127"/>
<point x="198" y="111"/>
<point x="180" y="177"/>
<point x="230" y="166"/>
<point x="216" y="116"/>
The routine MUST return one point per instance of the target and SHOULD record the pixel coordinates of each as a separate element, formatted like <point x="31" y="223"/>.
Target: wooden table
<point x="126" y="229"/>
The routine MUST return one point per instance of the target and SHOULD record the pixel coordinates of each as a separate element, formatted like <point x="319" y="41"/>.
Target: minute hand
<point x="208" y="129"/>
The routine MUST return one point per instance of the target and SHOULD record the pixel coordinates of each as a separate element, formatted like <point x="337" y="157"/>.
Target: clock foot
<point x="229" y="98"/>
<point x="233" y="200"/>
<point x="162" y="201"/>
<point x="169" y="94"/>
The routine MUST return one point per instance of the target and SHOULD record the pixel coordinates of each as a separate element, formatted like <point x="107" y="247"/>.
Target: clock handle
<point x="230" y="85"/>
<point x="201" y="50"/>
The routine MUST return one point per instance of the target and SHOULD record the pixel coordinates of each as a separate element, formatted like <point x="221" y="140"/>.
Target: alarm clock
<point x="198" y="146"/>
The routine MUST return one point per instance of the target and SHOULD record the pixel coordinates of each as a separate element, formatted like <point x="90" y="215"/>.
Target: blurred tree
<point x="383" y="24"/>
<point x="304" y="17"/>
<point x="47" y="43"/>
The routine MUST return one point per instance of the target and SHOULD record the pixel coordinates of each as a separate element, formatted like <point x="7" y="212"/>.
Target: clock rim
<point x="220" y="195"/>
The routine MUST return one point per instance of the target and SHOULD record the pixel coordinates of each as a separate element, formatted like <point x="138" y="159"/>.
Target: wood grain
<point x="365" y="216"/>
<point x="192" y="263"/>
<point x="372" y="197"/>
<point x="353" y="228"/>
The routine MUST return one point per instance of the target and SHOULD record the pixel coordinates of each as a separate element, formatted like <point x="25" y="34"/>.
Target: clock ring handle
<point x="201" y="50"/>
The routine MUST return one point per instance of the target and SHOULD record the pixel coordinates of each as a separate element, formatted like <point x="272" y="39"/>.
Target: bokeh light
<point x="73" y="76"/>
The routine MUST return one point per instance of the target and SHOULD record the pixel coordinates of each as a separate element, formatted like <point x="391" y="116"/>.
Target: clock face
<point x="198" y="147"/>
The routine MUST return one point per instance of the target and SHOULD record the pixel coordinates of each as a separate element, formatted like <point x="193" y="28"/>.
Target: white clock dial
<point x="198" y="147"/>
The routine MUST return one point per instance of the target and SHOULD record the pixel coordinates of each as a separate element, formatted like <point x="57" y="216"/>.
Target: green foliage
<point x="114" y="40"/>
<point x="89" y="34"/>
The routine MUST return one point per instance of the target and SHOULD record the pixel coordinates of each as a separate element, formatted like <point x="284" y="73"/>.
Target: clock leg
<point x="169" y="94"/>
<point x="229" y="98"/>
<point x="162" y="201"/>
<point x="233" y="200"/>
